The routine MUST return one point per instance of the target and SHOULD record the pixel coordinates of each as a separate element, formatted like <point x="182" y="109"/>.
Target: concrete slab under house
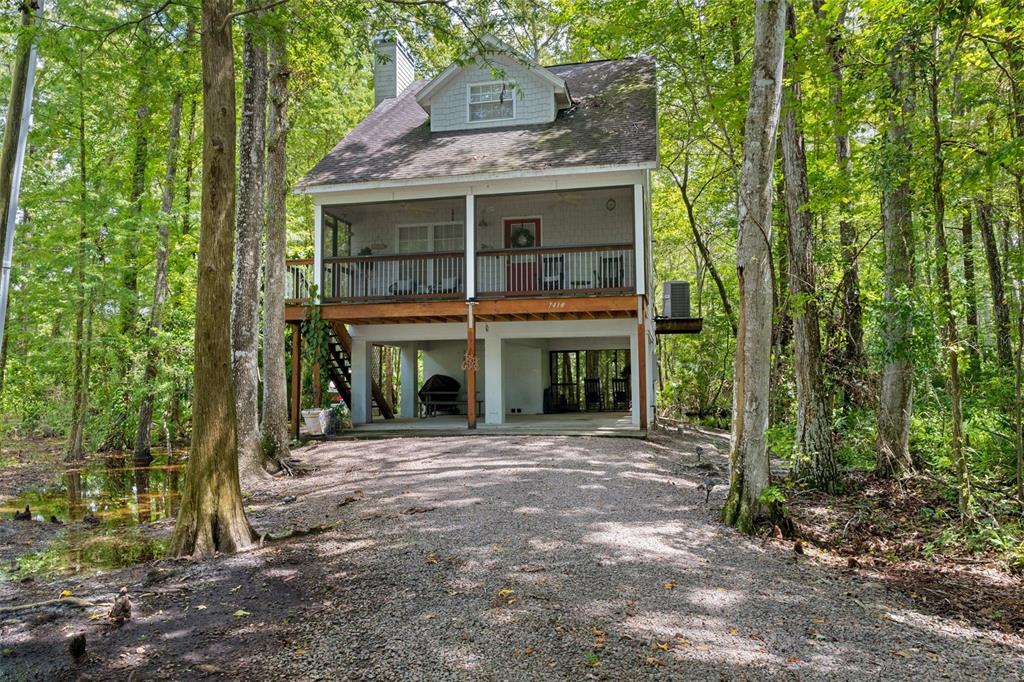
<point x="482" y="254"/>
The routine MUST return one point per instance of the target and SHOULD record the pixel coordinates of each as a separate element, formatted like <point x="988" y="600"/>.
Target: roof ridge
<point x="593" y="61"/>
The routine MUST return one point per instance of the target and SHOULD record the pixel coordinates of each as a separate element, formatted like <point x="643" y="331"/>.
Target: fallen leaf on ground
<point x="662" y="645"/>
<point x="241" y="613"/>
<point x="670" y="585"/>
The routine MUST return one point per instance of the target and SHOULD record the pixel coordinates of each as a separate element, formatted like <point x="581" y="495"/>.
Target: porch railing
<point x="298" y="278"/>
<point x="556" y="270"/>
<point x="412" y="276"/>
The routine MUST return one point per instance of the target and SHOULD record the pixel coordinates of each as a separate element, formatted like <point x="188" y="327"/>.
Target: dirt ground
<point x="502" y="559"/>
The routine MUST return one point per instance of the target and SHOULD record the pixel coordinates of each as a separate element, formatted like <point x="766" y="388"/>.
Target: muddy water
<point x="95" y="516"/>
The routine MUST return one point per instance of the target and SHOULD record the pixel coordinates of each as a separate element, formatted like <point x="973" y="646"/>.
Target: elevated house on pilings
<point x="493" y="223"/>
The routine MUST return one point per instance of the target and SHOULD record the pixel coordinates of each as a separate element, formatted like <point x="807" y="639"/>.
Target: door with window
<point x="523" y="269"/>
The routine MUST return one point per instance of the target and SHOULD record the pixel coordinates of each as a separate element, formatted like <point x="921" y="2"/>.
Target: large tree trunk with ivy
<point x="144" y="429"/>
<point x="275" y="383"/>
<point x="245" y="309"/>
<point x="747" y="505"/>
<point x="211" y="518"/>
<point x="814" y="457"/>
<point x="897" y="329"/>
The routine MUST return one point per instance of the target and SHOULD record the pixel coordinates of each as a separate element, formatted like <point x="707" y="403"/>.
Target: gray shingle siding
<point x="534" y="99"/>
<point x="613" y="121"/>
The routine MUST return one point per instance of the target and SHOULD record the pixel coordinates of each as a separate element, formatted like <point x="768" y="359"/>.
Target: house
<point x="494" y="223"/>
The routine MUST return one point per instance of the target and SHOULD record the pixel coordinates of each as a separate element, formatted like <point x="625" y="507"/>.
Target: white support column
<point x="470" y="230"/>
<point x="494" y="384"/>
<point x="361" y="392"/>
<point x="634" y="380"/>
<point x="639" y="239"/>
<point x="318" y="243"/>
<point x="409" y="370"/>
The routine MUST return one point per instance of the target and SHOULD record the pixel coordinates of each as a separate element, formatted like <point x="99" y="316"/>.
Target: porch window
<point x="491" y="101"/>
<point x="432" y="238"/>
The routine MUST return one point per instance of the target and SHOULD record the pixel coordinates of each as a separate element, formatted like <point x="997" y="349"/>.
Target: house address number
<point x="556" y="304"/>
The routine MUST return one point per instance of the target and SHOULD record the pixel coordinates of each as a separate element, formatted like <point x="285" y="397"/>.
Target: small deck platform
<point x="603" y="424"/>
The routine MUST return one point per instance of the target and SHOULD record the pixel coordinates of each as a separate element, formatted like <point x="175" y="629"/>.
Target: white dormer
<point x="496" y="88"/>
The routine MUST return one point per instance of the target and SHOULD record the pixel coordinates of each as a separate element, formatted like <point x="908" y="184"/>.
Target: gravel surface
<point x="528" y="559"/>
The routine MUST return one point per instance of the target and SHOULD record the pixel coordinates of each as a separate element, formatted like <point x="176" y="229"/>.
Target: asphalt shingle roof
<point x="613" y="121"/>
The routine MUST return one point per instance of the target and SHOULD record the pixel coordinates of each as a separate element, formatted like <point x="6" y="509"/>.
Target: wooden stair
<point x="339" y="368"/>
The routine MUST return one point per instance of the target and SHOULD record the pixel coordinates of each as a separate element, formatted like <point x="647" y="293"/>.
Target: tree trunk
<point x="814" y="457"/>
<point x="854" y="358"/>
<point x="970" y="294"/>
<point x="746" y="507"/>
<point x="186" y="214"/>
<point x="211" y="517"/>
<point x="952" y="341"/>
<point x="275" y="382"/>
<point x="684" y="190"/>
<point x="140" y="159"/>
<point x="1000" y="308"/>
<point x="896" y="395"/>
<point x="83" y="302"/>
<point x="245" y="308"/>
<point x="143" y="431"/>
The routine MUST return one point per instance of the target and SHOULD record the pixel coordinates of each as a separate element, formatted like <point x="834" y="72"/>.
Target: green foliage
<point x="772" y="495"/>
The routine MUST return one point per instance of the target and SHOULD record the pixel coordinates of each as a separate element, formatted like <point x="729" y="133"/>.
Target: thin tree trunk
<point x="245" y="308"/>
<point x="186" y="214"/>
<point x="140" y="159"/>
<point x="1000" y="308"/>
<point x="896" y="395"/>
<point x="275" y="383"/>
<point x="952" y="341"/>
<point x="211" y="518"/>
<point x="83" y="305"/>
<point x="970" y="294"/>
<point x="746" y="507"/>
<point x="814" y="457"/>
<point x="854" y="358"/>
<point x="684" y="190"/>
<point x="143" y="432"/>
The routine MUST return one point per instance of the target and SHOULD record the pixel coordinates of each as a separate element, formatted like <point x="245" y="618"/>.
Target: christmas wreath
<point x="522" y="238"/>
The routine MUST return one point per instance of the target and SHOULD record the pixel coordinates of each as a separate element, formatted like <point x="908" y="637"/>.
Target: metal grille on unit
<point x="675" y="299"/>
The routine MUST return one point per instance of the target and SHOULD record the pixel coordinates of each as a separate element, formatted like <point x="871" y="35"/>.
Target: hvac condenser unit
<point x="675" y="299"/>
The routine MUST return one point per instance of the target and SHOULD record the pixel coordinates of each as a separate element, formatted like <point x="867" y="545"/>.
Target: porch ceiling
<point x="509" y="310"/>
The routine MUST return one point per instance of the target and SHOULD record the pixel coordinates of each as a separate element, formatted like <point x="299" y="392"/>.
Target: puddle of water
<point x="103" y="505"/>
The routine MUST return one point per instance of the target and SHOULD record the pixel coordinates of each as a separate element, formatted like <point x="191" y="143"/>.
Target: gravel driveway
<point x="503" y="559"/>
<point x="569" y="558"/>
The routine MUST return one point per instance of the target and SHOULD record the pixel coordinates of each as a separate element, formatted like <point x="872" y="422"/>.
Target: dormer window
<point x="493" y="101"/>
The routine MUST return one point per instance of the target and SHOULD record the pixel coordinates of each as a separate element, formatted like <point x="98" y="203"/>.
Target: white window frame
<point x="430" y="234"/>
<point x="511" y="86"/>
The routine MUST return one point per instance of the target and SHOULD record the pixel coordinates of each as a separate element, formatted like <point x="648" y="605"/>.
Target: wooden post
<point x="317" y="397"/>
<point x="470" y="364"/>
<point x="641" y="351"/>
<point x="296" y="378"/>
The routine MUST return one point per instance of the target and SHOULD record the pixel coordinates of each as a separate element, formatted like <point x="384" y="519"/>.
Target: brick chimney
<point x="393" y="69"/>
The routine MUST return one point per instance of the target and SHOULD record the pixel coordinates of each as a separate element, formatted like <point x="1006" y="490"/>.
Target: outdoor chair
<point x="592" y="394"/>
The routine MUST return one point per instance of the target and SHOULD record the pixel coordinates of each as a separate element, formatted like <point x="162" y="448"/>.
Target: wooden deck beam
<point x="509" y="309"/>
